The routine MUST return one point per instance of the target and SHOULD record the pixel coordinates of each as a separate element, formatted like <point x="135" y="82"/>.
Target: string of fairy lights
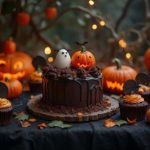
<point x="121" y="42"/>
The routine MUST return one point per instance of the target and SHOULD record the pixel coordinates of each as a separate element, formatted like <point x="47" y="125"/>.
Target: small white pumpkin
<point x="63" y="59"/>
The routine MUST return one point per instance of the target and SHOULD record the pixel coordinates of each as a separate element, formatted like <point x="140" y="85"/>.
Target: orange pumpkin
<point x="14" y="87"/>
<point x="115" y="76"/>
<point x="23" y="18"/>
<point x="83" y="58"/>
<point x="9" y="46"/>
<point x="147" y="59"/>
<point x="51" y="12"/>
<point x="17" y="65"/>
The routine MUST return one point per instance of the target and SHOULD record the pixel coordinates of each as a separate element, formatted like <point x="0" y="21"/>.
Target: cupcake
<point x="35" y="82"/>
<point x="143" y="81"/>
<point x="145" y="92"/>
<point x="133" y="107"/>
<point x="6" y="111"/>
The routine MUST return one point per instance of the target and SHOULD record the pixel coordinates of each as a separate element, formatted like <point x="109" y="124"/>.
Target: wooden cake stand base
<point x="76" y="117"/>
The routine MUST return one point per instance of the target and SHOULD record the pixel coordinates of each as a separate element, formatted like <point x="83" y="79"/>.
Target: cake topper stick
<point x="3" y="90"/>
<point x="82" y="45"/>
<point x="39" y="62"/>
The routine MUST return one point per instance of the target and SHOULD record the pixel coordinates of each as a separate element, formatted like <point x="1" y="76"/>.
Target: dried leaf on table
<point x="115" y="96"/>
<point x="42" y="126"/>
<point x="131" y="122"/>
<point x="25" y="124"/>
<point x="31" y="120"/>
<point x="58" y="124"/>
<point x="18" y="113"/>
<point x="120" y="122"/>
<point x="22" y="117"/>
<point x="109" y="123"/>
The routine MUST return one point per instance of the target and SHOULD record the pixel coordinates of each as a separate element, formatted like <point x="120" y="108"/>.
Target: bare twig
<point x="123" y="15"/>
<point x="39" y="36"/>
<point x="147" y="9"/>
<point x="82" y="9"/>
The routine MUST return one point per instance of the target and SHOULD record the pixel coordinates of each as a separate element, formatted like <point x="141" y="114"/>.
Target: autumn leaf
<point x="131" y="121"/>
<point x="42" y="126"/>
<point x="58" y="124"/>
<point x="32" y="120"/>
<point x="25" y="124"/>
<point x="109" y="123"/>
<point x="22" y="117"/>
<point x="120" y="122"/>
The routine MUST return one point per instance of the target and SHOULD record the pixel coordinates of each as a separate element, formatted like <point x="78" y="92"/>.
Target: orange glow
<point x="17" y="75"/>
<point x="18" y="65"/>
<point x="114" y="85"/>
<point x="122" y="43"/>
<point x="2" y="62"/>
<point x="50" y="59"/>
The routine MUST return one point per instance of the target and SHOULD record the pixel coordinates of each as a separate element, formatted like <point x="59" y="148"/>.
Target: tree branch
<point x="82" y="9"/>
<point x="123" y="15"/>
<point x="147" y="9"/>
<point x="39" y="36"/>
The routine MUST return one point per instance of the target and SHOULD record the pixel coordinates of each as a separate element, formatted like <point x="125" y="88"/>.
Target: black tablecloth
<point x="81" y="136"/>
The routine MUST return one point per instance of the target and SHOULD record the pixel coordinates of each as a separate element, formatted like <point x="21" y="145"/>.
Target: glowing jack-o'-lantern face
<point x="114" y="77"/>
<point x="17" y="65"/>
<point x="83" y="58"/>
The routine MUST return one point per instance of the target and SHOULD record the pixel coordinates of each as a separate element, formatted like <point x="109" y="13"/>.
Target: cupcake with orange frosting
<point x="35" y="82"/>
<point x="6" y="111"/>
<point x="143" y="81"/>
<point x="145" y="92"/>
<point x="132" y="104"/>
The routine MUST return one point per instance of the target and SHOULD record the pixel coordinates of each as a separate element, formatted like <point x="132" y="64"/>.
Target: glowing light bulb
<point x="47" y="50"/>
<point x="50" y="59"/>
<point x="102" y="23"/>
<point x="91" y="2"/>
<point x="128" y="55"/>
<point x="122" y="43"/>
<point x="94" y="26"/>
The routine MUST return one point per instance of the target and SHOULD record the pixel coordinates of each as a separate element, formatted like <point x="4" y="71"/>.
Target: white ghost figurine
<point x="63" y="59"/>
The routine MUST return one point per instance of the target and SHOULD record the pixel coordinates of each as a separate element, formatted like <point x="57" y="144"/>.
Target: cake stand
<point x="75" y="117"/>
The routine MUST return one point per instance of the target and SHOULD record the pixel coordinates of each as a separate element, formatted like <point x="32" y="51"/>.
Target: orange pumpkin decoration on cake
<point x="115" y="76"/>
<point x="14" y="87"/>
<point x="17" y="65"/>
<point x="83" y="58"/>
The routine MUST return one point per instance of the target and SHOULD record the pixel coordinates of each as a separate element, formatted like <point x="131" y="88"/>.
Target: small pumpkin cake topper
<point x="63" y="59"/>
<point x="4" y="90"/>
<point x="39" y="62"/>
<point x="143" y="78"/>
<point x="130" y="86"/>
<point x="83" y="58"/>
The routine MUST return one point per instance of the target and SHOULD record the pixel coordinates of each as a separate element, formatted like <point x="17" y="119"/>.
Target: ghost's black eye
<point x="62" y="53"/>
<point x="66" y="52"/>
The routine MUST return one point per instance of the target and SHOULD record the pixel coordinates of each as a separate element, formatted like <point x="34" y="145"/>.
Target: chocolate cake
<point x="72" y="90"/>
<point x="75" y="89"/>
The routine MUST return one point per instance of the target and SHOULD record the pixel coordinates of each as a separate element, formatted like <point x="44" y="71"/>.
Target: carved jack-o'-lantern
<point x="83" y="58"/>
<point x="14" y="64"/>
<point x="114" y="77"/>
